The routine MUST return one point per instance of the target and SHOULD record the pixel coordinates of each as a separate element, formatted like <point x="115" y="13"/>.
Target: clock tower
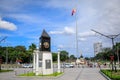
<point x="42" y="59"/>
<point x="45" y="42"/>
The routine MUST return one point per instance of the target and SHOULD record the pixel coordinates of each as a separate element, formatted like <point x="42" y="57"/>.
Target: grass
<point x="33" y="74"/>
<point x="28" y="74"/>
<point x="5" y="71"/>
<point x="112" y="74"/>
<point x="54" y="74"/>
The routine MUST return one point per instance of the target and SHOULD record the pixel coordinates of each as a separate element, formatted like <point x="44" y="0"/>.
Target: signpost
<point x="112" y="58"/>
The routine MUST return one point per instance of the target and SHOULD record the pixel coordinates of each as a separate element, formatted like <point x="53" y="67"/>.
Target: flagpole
<point x="76" y="35"/>
<point x="74" y="12"/>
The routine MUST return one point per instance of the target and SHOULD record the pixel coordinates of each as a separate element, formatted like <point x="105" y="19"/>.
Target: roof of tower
<point x="45" y="34"/>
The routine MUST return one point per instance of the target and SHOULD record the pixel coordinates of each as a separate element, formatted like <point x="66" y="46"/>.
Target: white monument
<point x="42" y="57"/>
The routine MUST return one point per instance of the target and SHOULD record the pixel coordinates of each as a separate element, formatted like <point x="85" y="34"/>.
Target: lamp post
<point x="6" y="55"/>
<point x="112" y="37"/>
<point x="3" y="39"/>
<point x="118" y="54"/>
<point x="0" y="62"/>
<point x="58" y="61"/>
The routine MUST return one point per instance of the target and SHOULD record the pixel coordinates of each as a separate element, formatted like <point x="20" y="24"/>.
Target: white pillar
<point x="34" y="66"/>
<point x="37" y="62"/>
<point x="58" y="62"/>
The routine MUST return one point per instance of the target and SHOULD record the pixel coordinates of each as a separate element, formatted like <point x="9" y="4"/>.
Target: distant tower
<point x="97" y="47"/>
<point x="81" y="56"/>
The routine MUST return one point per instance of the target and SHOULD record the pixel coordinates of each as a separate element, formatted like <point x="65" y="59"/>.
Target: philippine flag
<point x="73" y="11"/>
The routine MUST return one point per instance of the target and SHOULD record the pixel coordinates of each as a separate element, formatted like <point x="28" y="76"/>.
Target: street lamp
<point x="112" y="37"/>
<point x="118" y="54"/>
<point x="58" y="61"/>
<point x="3" y="39"/>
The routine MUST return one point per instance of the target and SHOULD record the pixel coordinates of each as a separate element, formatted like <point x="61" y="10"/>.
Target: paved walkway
<point x="69" y="74"/>
<point x="82" y="74"/>
<point x="90" y="74"/>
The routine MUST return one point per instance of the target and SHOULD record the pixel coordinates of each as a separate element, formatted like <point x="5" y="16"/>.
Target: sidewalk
<point x="82" y="74"/>
<point x="90" y="74"/>
<point x="69" y="74"/>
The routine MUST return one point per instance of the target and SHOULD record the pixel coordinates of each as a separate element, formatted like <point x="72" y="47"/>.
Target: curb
<point x="104" y="75"/>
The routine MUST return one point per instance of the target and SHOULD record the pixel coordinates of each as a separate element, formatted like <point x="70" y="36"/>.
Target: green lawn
<point x="33" y="74"/>
<point x="112" y="74"/>
<point x="28" y="74"/>
<point x="5" y="71"/>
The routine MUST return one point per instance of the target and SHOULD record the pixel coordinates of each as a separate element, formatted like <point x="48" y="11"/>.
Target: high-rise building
<point x="97" y="47"/>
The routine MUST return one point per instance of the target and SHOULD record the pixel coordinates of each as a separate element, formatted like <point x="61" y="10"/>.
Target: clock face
<point x="46" y="44"/>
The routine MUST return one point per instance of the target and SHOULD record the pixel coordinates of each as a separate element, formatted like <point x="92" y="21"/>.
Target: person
<point x="104" y="65"/>
<point x="98" y="65"/>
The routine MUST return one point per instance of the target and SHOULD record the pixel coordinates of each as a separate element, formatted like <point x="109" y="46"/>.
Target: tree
<point x="105" y="54"/>
<point x="2" y="53"/>
<point x="20" y="51"/>
<point x="32" y="47"/>
<point x="72" y="57"/>
<point x="11" y="54"/>
<point x="117" y="51"/>
<point x="87" y="58"/>
<point x="54" y="56"/>
<point x="63" y="55"/>
<point x="17" y="53"/>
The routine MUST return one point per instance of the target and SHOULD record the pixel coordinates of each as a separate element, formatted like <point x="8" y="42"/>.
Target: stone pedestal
<point x="47" y="63"/>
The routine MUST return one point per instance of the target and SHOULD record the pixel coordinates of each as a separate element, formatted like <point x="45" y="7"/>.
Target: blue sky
<point x="23" y="21"/>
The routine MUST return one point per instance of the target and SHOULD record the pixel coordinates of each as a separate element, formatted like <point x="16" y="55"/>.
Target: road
<point x="69" y="74"/>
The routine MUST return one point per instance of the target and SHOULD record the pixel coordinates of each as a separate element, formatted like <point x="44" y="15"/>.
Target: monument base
<point x="47" y="63"/>
<point x="44" y="64"/>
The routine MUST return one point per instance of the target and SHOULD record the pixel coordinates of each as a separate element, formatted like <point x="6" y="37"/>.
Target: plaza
<point x="69" y="74"/>
<point x="74" y="38"/>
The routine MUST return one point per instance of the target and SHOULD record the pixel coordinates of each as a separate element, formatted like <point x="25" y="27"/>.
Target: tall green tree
<point x="64" y="55"/>
<point x="19" y="52"/>
<point x="117" y="51"/>
<point x="2" y="53"/>
<point x="54" y="56"/>
<point x="72" y="57"/>
<point x="32" y="47"/>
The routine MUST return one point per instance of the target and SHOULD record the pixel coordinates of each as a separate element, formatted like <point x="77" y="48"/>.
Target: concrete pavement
<point x="82" y="74"/>
<point x="69" y="74"/>
<point x="90" y="74"/>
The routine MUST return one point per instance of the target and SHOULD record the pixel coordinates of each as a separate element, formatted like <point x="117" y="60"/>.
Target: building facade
<point x="97" y="47"/>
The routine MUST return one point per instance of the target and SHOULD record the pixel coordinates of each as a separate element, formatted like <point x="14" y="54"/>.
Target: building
<point x="97" y="47"/>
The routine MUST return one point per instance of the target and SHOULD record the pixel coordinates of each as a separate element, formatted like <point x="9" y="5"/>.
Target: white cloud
<point x="65" y="31"/>
<point x="108" y="19"/>
<point x="56" y="32"/>
<point x="86" y="34"/>
<point x="25" y="18"/>
<point x="82" y="39"/>
<point x="61" y="3"/>
<point x="7" y="25"/>
<point x="68" y="30"/>
<point x="60" y="46"/>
